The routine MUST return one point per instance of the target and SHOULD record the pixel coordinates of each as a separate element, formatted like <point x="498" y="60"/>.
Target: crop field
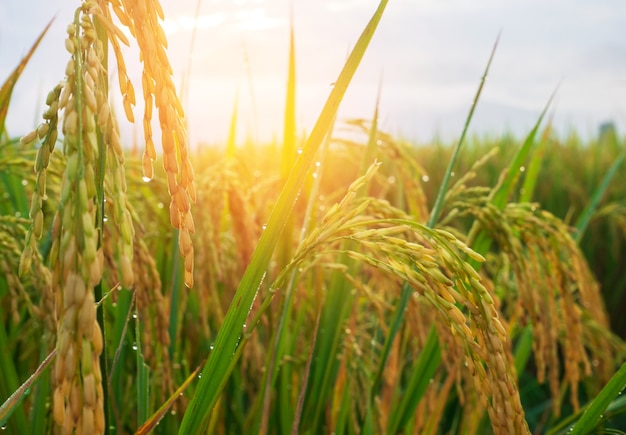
<point x="342" y="282"/>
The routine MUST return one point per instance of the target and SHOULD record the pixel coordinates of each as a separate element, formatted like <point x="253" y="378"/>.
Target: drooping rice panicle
<point x="142" y="19"/>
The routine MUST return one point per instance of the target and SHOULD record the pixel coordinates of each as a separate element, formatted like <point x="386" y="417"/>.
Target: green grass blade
<point x="443" y="189"/>
<point x="502" y="193"/>
<point x="289" y="151"/>
<point x="598" y="406"/>
<point x="17" y="200"/>
<point x="372" y="143"/>
<point x="532" y="172"/>
<point x="289" y="133"/>
<point x="394" y="327"/>
<point x="152" y="422"/>
<point x="421" y="374"/>
<point x="307" y="371"/>
<point x="143" y="384"/>
<point x="586" y="215"/>
<point x="41" y="396"/>
<point x="217" y="369"/>
<point x="11" y="404"/>
<point x="9" y="383"/>
<point x="479" y="240"/>
<point x="7" y="88"/>
<point x="523" y="349"/>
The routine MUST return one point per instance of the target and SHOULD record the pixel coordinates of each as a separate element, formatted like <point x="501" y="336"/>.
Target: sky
<point x="429" y="56"/>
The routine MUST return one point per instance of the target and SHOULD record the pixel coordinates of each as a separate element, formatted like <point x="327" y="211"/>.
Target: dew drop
<point x="160" y="205"/>
<point x="431" y="380"/>
<point x="425" y="178"/>
<point x="24" y="182"/>
<point x="264" y="226"/>
<point x="211" y="347"/>
<point x="146" y="179"/>
<point x="314" y="174"/>
<point x="134" y="346"/>
<point x="522" y="168"/>
<point x="199" y="377"/>
<point x="105" y="218"/>
<point x="318" y="164"/>
<point x="135" y="315"/>
<point x="452" y="174"/>
<point x="173" y="412"/>
<point x="391" y="180"/>
<point x="18" y="214"/>
<point x="300" y="150"/>
<point x="3" y="427"/>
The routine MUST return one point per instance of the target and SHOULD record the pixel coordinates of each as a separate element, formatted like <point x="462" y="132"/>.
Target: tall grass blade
<point x="394" y="327"/>
<point x="600" y="403"/>
<point x="41" y="397"/>
<point x="532" y="172"/>
<point x="523" y="349"/>
<point x="152" y="422"/>
<point x="289" y="133"/>
<point x="16" y="398"/>
<point x="585" y="217"/>
<point x="305" y="379"/>
<point x="289" y="141"/>
<point x="7" y="88"/>
<point x="443" y="189"/>
<point x="479" y="240"/>
<point x="421" y="374"/>
<point x="10" y="382"/>
<point x="143" y="384"/>
<point x="219" y="365"/>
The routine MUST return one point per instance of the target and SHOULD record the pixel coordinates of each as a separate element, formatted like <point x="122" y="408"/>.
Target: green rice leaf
<point x="7" y="88"/>
<point x="600" y="403"/>
<point x="443" y="189"/>
<point x="10" y="405"/>
<point x="219" y="365"/>
<point x="587" y="214"/>
<point x="421" y="374"/>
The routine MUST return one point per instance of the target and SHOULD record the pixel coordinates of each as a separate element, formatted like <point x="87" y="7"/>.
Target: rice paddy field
<point x="344" y="281"/>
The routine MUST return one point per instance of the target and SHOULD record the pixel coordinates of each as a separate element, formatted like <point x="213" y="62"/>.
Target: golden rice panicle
<point x="47" y="132"/>
<point x="76" y="259"/>
<point x="142" y="18"/>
